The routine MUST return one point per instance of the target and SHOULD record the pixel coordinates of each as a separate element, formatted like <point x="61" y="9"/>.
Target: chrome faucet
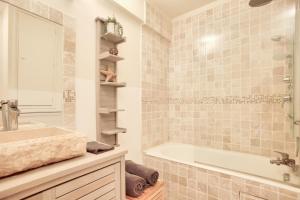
<point x="286" y="99"/>
<point x="10" y="114"/>
<point x="284" y="160"/>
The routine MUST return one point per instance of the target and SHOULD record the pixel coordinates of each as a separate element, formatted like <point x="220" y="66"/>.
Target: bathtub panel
<point x="187" y="182"/>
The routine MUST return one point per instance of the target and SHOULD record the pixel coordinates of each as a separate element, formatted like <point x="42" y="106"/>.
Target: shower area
<point x="233" y="103"/>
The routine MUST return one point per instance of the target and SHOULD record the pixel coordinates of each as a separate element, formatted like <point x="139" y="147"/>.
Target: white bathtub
<point x="248" y="166"/>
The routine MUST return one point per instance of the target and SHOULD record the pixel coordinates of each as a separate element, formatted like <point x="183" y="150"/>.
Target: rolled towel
<point x="150" y="175"/>
<point x="135" y="185"/>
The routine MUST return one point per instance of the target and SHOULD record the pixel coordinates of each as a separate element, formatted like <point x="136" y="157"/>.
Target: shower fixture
<point x="286" y="99"/>
<point x="258" y="3"/>
<point x="287" y="79"/>
<point x="281" y="56"/>
<point x="276" y="38"/>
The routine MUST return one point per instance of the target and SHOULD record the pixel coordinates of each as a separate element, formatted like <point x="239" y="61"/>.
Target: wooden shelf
<point x="116" y="39"/>
<point x="113" y="131"/>
<point x="113" y="84"/>
<point x="109" y="110"/>
<point x="109" y="57"/>
<point x="154" y="192"/>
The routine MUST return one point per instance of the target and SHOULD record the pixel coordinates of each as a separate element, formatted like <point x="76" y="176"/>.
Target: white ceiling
<point x="174" y="8"/>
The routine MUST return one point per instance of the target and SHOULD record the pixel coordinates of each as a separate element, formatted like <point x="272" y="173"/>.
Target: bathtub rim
<point x="152" y="152"/>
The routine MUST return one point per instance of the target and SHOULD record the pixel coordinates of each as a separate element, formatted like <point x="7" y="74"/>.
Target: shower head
<point x="258" y="3"/>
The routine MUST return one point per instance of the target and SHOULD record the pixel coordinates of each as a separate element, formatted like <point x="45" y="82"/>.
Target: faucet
<point x="284" y="160"/>
<point x="286" y="99"/>
<point x="10" y="114"/>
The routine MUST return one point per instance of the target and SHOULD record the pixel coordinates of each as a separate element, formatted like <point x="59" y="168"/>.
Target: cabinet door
<point x="101" y="184"/>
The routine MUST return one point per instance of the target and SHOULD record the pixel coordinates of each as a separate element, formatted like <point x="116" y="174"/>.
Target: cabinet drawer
<point x="99" y="193"/>
<point x="245" y="196"/>
<point x="91" y="186"/>
<point x="108" y="196"/>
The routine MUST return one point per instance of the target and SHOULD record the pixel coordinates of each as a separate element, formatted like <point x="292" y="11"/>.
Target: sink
<point x="27" y="149"/>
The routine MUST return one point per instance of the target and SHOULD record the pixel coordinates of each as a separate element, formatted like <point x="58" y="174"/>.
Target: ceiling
<point x="174" y="8"/>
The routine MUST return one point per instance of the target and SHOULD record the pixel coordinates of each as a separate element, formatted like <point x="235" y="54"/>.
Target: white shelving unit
<point x="106" y="92"/>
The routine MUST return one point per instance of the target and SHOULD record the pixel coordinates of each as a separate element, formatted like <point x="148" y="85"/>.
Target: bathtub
<point x="243" y="165"/>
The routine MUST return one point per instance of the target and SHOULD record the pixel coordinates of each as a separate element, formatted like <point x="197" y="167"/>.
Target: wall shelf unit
<point x="109" y="57"/>
<point x="106" y="92"/>
<point x="114" y="131"/>
<point x="113" y="84"/>
<point x="109" y="110"/>
<point x="113" y="38"/>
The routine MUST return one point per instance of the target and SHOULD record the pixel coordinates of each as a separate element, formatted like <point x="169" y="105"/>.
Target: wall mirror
<point x="31" y="68"/>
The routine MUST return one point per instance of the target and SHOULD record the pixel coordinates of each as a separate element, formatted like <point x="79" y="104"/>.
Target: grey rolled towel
<point x="135" y="185"/>
<point x="150" y="175"/>
<point x="98" y="147"/>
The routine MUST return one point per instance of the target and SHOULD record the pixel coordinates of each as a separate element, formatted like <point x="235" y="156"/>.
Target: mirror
<point x="31" y="61"/>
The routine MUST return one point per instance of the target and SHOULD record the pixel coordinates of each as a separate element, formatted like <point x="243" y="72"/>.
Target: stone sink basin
<point x="26" y="149"/>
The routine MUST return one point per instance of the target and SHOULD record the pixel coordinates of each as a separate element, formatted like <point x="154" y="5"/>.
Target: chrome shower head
<point x="258" y="3"/>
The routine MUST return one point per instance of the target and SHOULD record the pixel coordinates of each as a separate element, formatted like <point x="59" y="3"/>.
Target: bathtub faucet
<point x="284" y="160"/>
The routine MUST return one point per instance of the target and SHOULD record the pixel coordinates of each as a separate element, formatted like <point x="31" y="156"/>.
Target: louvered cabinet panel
<point x="103" y="184"/>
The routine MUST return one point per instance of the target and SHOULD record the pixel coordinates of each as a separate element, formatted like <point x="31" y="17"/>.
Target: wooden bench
<point x="152" y="193"/>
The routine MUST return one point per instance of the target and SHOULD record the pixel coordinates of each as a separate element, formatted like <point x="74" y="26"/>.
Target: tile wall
<point x="226" y="77"/>
<point x="155" y="64"/>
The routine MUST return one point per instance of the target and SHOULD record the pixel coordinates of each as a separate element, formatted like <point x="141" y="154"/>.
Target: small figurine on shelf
<point x="114" y="51"/>
<point x="110" y="76"/>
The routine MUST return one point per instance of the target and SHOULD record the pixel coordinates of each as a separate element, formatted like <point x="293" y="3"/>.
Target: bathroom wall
<point x="83" y="57"/>
<point x="135" y="7"/>
<point x="156" y="33"/>
<point x="225" y="77"/>
<point x="296" y="76"/>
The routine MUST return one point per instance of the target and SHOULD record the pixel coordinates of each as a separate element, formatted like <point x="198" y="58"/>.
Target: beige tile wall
<point x="225" y="77"/>
<point x="184" y="182"/>
<point x="158" y="20"/>
<point x="155" y="64"/>
<point x="69" y="51"/>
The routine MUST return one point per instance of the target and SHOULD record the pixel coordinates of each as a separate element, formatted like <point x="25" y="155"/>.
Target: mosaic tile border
<point x="250" y="99"/>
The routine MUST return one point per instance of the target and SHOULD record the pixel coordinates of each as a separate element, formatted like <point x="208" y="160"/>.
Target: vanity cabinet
<point x="93" y="179"/>
<point x="99" y="184"/>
